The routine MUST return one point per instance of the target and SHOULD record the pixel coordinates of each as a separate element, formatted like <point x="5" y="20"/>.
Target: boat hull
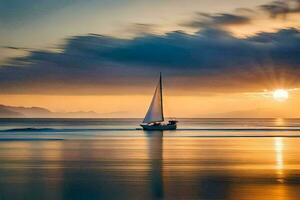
<point x="159" y="127"/>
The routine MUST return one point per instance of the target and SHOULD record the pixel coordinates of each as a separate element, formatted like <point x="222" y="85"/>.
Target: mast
<point x="161" y="94"/>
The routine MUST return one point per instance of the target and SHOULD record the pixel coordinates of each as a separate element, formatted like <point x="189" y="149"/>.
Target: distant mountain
<point x="28" y="111"/>
<point x="6" y="113"/>
<point x="38" y="112"/>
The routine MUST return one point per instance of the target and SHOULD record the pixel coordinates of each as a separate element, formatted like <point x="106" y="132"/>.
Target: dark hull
<point x="159" y="127"/>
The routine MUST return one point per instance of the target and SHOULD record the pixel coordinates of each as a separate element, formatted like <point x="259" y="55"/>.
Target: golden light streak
<point x="278" y="143"/>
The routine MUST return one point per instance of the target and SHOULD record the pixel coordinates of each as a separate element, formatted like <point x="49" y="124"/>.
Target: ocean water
<point x="209" y="159"/>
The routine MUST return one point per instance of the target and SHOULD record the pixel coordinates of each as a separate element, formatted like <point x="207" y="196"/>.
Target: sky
<point x="218" y="58"/>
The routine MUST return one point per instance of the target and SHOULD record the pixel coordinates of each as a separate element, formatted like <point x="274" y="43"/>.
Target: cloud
<point x="217" y="20"/>
<point x="210" y="60"/>
<point x="282" y="8"/>
<point x="16" y="48"/>
<point x="140" y="29"/>
<point x="249" y="21"/>
<point x="11" y="52"/>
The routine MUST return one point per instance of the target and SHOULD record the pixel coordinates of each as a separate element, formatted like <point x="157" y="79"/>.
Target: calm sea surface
<point x="209" y="159"/>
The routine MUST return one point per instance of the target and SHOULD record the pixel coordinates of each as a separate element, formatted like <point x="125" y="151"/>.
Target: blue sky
<point x="34" y="23"/>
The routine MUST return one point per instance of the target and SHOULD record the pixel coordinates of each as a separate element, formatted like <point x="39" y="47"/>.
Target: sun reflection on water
<point x="279" y="158"/>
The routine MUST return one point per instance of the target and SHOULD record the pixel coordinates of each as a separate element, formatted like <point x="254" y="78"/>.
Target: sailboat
<point x="155" y="117"/>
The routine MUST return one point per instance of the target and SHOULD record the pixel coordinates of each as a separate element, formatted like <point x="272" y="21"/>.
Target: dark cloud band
<point x="211" y="60"/>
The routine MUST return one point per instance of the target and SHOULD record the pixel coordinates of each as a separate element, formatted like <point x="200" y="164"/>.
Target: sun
<point x="280" y="95"/>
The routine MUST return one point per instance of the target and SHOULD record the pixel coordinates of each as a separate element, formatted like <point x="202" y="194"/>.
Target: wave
<point x="60" y="130"/>
<point x="29" y="139"/>
<point x="27" y="129"/>
<point x="32" y="129"/>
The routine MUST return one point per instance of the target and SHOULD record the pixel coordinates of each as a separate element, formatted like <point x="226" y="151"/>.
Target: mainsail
<point x="155" y="111"/>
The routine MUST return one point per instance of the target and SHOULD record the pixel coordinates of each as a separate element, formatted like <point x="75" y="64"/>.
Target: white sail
<point x="155" y="111"/>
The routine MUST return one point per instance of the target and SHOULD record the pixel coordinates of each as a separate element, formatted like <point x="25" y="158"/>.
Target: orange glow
<point x="264" y="24"/>
<point x="209" y="105"/>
